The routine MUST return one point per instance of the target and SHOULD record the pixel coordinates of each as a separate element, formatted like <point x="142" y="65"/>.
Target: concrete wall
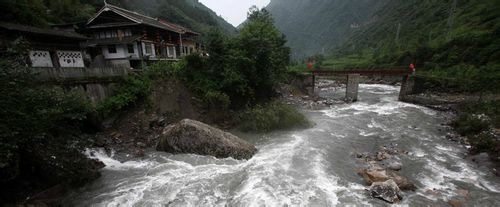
<point x="120" y="63"/>
<point x="40" y="59"/>
<point x="79" y="74"/>
<point x="70" y="59"/>
<point x="121" y="52"/>
<point x="352" y="87"/>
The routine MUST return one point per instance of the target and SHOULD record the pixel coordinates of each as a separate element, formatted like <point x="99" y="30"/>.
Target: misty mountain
<point x="319" y="26"/>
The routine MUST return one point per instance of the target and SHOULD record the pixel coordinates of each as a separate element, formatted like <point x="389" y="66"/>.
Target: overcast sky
<point x="233" y="11"/>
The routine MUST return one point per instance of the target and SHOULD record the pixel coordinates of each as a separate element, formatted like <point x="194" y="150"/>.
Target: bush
<point x="483" y="142"/>
<point x="136" y="87"/>
<point x="468" y="124"/>
<point x="273" y="116"/>
<point x="132" y="89"/>
<point x="40" y="141"/>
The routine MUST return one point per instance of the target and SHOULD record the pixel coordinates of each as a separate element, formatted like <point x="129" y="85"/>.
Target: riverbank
<point x="475" y="122"/>
<point x="311" y="167"/>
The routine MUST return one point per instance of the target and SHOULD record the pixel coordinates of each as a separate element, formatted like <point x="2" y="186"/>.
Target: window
<point x="128" y="33"/>
<point x="111" y="49"/>
<point x="130" y="48"/>
<point x="147" y="47"/>
<point x="170" y="51"/>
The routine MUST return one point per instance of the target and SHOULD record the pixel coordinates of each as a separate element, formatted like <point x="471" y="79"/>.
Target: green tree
<point x="263" y="47"/>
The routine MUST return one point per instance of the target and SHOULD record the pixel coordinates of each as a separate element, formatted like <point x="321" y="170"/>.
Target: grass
<point x="272" y="116"/>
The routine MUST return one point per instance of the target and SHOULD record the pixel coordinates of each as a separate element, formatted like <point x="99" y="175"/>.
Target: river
<point x="312" y="167"/>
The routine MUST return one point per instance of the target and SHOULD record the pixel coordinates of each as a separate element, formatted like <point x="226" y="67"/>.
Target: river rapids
<point x="312" y="167"/>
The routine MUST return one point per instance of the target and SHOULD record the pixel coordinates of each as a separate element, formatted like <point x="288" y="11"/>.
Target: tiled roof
<point x="177" y="27"/>
<point x="41" y="31"/>
<point x="142" y="19"/>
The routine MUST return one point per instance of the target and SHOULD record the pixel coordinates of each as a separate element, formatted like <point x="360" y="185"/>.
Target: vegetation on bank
<point x="272" y="116"/>
<point x="41" y="127"/>
<point x="480" y="123"/>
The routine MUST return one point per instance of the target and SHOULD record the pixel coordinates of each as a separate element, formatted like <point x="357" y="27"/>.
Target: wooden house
<point x="128" y="39"/>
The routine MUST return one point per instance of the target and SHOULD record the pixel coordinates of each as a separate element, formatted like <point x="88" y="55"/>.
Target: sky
<point x="233" y="11"/>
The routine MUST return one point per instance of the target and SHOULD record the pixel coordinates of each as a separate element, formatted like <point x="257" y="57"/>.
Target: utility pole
<point x="398" y="33"/>
<point x="451" y="18"/>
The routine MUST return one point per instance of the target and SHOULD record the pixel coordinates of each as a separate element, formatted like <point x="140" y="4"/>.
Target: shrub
<point x="132" y="89"/>
<point x="135" y="87"/>
<point x="483" y="142"/>
<point x="40" y="142"/>
<point x="469" y="124"/>
<point x="273" y="116"/>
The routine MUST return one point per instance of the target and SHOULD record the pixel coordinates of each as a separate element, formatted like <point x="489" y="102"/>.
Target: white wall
<point x="121" y="52"/>
<point x="70" y="59"/>
<point x="40" y="59"/>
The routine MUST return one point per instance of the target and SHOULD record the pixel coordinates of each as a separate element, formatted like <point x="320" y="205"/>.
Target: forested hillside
<point x="318" y="26"/>
<point x="431" y="33"/>
<point x="189" y="13"/>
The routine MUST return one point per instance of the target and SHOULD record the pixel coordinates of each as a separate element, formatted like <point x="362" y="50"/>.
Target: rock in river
<point x="189" y="136"/>
<point x="373" y="175"/>
<point x="387" y="191"/>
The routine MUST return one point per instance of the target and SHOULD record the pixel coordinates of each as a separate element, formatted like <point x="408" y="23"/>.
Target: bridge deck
<point x="390" y="72"/>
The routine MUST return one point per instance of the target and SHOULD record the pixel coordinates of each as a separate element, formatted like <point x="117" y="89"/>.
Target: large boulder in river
<point x="376" y="175"/>
<point x="189" y="136"/>
<point x="387" y="191"/>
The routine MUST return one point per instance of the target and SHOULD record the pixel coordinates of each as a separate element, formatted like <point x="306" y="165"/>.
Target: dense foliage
<point x="241" y="70"/>
<point x="272" y="116"/>
<point x="40" y="126"/>
<point x="44" y="12"/>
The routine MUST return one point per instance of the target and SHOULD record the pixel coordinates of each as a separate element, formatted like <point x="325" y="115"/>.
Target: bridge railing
<point x="372" y="71"/>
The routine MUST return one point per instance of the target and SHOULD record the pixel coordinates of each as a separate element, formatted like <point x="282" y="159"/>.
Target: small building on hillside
<point x="48" y="48"/>
<point x="123" y="38"/>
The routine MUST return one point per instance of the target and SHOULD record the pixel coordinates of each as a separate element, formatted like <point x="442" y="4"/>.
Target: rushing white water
<point x="313" y="167"/>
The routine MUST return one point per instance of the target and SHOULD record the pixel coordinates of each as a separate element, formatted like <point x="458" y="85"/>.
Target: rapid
<point x="311" y="167"/>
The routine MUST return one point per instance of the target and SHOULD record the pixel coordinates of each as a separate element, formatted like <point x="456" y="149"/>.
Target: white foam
<point x="113" y="164"/>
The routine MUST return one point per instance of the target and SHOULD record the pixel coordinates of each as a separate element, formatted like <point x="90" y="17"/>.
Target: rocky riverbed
<point x="377" y="137"/>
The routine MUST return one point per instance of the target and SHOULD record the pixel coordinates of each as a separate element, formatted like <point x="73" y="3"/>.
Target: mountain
<point x="189" y="13"/>
<point x="432" y="33"/>
<point x="319" y="26"/>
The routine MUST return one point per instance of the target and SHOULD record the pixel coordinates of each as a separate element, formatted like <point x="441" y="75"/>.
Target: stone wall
<point x="97" y="83"/>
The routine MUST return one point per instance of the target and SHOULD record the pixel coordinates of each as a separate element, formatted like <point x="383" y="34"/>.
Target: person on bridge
<point x="413" y="69"/>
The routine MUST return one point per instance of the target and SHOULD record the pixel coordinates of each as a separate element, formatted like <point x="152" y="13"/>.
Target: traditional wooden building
<point x="48" y="48"/>
<point x="128" y="39"/>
